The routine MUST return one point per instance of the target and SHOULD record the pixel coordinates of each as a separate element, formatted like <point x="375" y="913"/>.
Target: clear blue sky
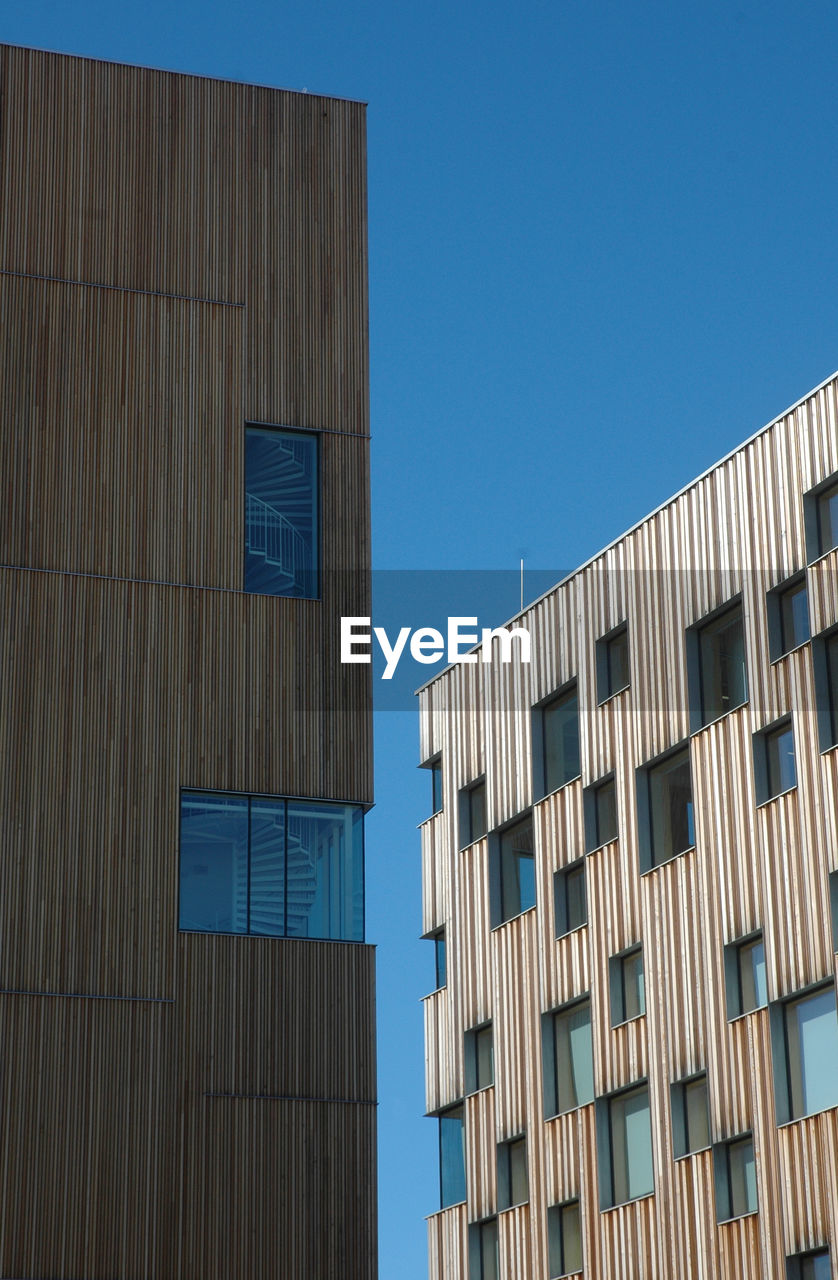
<point x="602" y="253"/>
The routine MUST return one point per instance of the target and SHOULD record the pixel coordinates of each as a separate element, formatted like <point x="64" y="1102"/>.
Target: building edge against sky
<point x="184" y="762"/>
<point x="631" y="879"/>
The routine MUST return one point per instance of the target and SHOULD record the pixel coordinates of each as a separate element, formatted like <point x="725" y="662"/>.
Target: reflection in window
<point x="722" y="675"/>
<point x="266" y="865"/>
<point x="568" y="1059"/>
<point x="564" y="1230"/>
<point x="811" y="1028"/>
<point x="517" y="869"/>
<point x="631" y="1145"/>
<point x="560" y="736"/>
<point x="452" y="1158"/>
<point x="671" y="807"/>
<point x="281" y="515"/>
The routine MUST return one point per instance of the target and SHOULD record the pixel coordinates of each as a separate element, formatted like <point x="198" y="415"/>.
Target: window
<point x="825" y="658"/>
<point x="809" y="1266"/>
<point x="775" y="770"/>
<point x="628" y="991"/>
<point x="452" y="1157"/>
<point x="804" y="1041"/>
<point x="472" y="813"/>
<point x="600" y="804"/>
<point x="735" y="1175"/>
<point x="270" y="866"/>
<point x="434" y="768"/>
<point x="665" y="809"/>
<point x="512" y="869"/>
<point x="612" y="663"/>
<point x="788" y="616"/>
<point x="483" y="1250"/>
<point x="564" y="1234"/>
<point x="624" y="1147"/>
<point x="716" y="667"/>
<point x="571" y="903"/>
<point x="745" y="976"/>
<point x="568" y="1058"/>
<point x="479" y="1058"/>
<point x="820" y="513"/>
<point x="690" y="1116"/>
<point x="555" y="743"/>
<point x="281" y="516"/>
<point x="833" y="903"/>
<point x="440" y="957"/>
<point x="512" y="1173"/>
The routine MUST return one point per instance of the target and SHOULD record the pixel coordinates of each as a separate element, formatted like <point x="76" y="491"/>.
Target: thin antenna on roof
<point x="522" y="584"/>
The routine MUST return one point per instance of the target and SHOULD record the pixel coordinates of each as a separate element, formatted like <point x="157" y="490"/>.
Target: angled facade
<point x="187" y="1001"/>
<point x="631" y="880"/>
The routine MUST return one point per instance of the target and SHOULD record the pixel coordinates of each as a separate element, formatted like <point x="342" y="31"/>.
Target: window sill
<point x="569" y="932"/>
<point x="547" y="794"/>
<point x="770" y="799"/>
<point x="796" y="649"/>
<point x="517" y="1205"/>
<point x="615" y="693"/>
<point x="746" y="1013"/>
<point x="664" y="862"/>
<point x="614" y="1026"/>
<point x="708" y="724"/>
<point x="509" y="919"/>
<point x="645" y="1195"/>
<point x="603" y="845"/>
<point x="685" y="1155"/>
<point x="737" y="1217"/>
<point x="807" y="1115"/>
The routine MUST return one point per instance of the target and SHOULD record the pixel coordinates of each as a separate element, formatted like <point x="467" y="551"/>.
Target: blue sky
<point x="602" y="253"/>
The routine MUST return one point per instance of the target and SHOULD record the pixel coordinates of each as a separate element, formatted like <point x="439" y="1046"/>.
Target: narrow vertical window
<point x="517" y="869"/>
<point x="628" y="987"/>
<point x="513" y="1186"/>
<point x="568" y="1058"/>
<point x="452" y="1158"/>
<point x="556" y="743"/>
<point x="631" y="1145"/>
<point x="735" y="1177"/>
<point x="570" y="898"/>
<point x="564" y="1230"/>
<point x="690" y="1116"/>
<point x="479" y="1058"/>
<point x="612" y="663"/>
<point x="281" y="513"/>
<point x="666" y="818"/>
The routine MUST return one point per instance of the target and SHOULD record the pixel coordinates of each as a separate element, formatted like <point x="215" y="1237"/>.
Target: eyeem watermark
<point x="428" y="645"/>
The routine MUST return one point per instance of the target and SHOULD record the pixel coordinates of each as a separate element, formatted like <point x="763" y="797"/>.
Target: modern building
<point x="631" y="880"/>
<point x="188" y="1070"/>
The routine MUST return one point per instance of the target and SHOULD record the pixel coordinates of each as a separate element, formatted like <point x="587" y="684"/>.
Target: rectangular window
<point x="568" y="1058"/>
<point x="825" y="659"/>
<point x="612" y="663"/>
<point x="555" y="743"/>
<point x="483" y="1250"/>
<point x="745" y="976"/>
<point x="775" y="768"/>
<point x="665" y="809"/>
<point x="735" y="1175"/>
<point x="833" y="907"/>
<point x="564" y="1233"/>
<point x="820" y="515"/>
<point x="452" y="1157"/>
<point x="513" y="1187"/>
<point x="630" y="1133"/>
<point x="716" y="666"/>
<point x="628" y="989"/>
<point x="516" y="870"/>
<point x="600" y="805"/>
<point x="440" y="958"/>
<point x="434" y="768"/>
<point x="479" y="1058"/>
<point x="571" y="902"/>
<point x="281" y="513"/>
<point x="472" y="813"/>
<point x="788" y="616"/>
<point x="814" y="1265"/>
<point x="271" y="866"/>
<point x="811" y="1029"/>
<point x="690" y="1116"/>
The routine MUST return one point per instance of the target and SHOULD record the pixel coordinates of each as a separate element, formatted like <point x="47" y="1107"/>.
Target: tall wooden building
<point x="187" y="1087"/>
<point x="631" y="879"/>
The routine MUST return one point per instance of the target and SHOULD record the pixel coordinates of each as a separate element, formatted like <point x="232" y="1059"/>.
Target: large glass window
<point x="564" y="1232"/>
<point x="631" y="1145"/>
<point x="568" y="1058"/>
<point x="517" y="869"/>
<point x="670" y="807"/>
<point x="723" y="681"/>
<point x="452" y="1157"/>
<point x="736" y="1178"/>
<point x="827" y="506"/>
<point x="271" y="866"/>
<point x="559" y="726"/>
<point x="811" y="1031"/>
<point x="281" y="513"/>
<point x="513" y="1187"/>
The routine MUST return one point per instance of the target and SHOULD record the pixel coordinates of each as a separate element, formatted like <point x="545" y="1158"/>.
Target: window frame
<point x="695" y="636"/>
<point x="723" y="1179"/>
<point x="763" y="742"/>
<point x="433" y="765"/>
<point x="540" y="788"/>
<point x="609" y="1197"/>
<point x="477" y="1247"/>
<point x="784" y="1103"/>
<point x="554" y="1103"/>
<point x="606" y="689"/>
<point x="556" y="1239"/>
<point x="562" y="900"/>
<point x="590" y="803"/>
<point x="794" y="1269"/>
<point x="734" y="990"/>
<point x="303" y="433"/>
<point x="682" y="1144"/>
<point x="471" y="1058"/>
<point x="467" y="834"/>
<point x="455" y="1111"/>
<point x="617" y="984"/>
<point x="511" y="1149"/>
<point x="496" y="870"/>
<point x="824" y="655"/>
<point x="644" y="777"/>
<point x="778" y="646"/>
<point x="812" y="522"/>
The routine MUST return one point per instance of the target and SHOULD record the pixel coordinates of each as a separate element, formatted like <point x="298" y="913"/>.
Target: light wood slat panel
<point x="627" y="1241"/>
<point x="739" y="1250"/>
<point x="481" y="1155"/>
<point x="448" y="1244"/>
<point x="808" y="1156"/>
<point x="435" y="879"/>
<point x="689" y="1235"/>
<point x="443" y="1052"/>
<point x="473" y="937"/>
<point x="515" y="1250"/>
<point x="517" y="1020"/>
<point x="823" y="592"/>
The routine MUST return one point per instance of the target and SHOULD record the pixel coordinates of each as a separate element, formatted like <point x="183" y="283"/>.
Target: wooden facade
<point x="178" y="257"/>
<point x="735" y="533"/>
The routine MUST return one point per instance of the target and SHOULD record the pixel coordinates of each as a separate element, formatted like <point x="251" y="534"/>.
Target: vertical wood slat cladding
<point x="737" y="532"/>
<point x="178" y="257"/>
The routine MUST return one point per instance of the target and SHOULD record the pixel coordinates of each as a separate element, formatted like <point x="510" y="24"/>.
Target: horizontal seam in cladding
<point x="152" y="582"/>
<point x="120" y="288"/>
<point x="291" y="1097"/>
<point x="322" y="431"/>
<point x="86" y="995"/>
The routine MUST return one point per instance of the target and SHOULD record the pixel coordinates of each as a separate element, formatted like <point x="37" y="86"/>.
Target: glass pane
<point x="561" y="741"/>
<point x="631" y="1146"/>
<point x="325" y="881"/>
<point x="452" y="1158"/>
<point x="489" y="1251"/>
<point x="440" y="960"/>
<point x="517" y="870"/>
<point x="213" y="862"/>
<point x="816" y="1266"/>
<point x="828" y="519"/>
<point x="634" y="990"/>
<point x="742" y="1178"/>
<point x="724" y="682"/>
<point x="484" y="1053"/>
<point x="267" y="866"/>
<point x="618" y="665"/>
<point x="779" y="752"/>
<point x="752" y="986"/>
<point x="605" y="798"/>
<point x="571" y="1238"/>
<point x="812" y="1034"/>
<point x="832" y="682"/>
<point x="436" y="787"/>
<point x="794" y="616"/>
<point x="477" y="811"/>
<point x="555" y="1264"/>
<point x="280" y="513"/>
<point x="574" y="1058"/>
<point x="670" y="804"/>
<point x="696" y="1116"/>
<point x="518" y="1189"/>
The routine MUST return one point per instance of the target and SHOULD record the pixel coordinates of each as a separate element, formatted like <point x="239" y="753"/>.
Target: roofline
<point x="168" y="71"/>
<point x="662" y="507"/>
